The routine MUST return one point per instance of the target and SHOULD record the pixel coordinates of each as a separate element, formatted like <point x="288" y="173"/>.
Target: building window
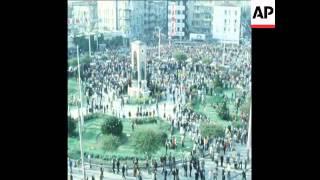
<point x="224" y="29"/>
<point x="235" y="21"/>
<point x="178" y="20"/>
<point x="178" y="11"/>
<point x="225" y="12"/>
<point x="235" y="12"/>
<point x="235" y="30"/>
<point x="178" y="29"/>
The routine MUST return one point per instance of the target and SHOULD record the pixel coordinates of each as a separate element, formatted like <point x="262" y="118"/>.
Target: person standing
<point x="196" y="174"/>
<point x="113" y="165"/>
<point x="221" y="160"/>
<point x="118" y="166"/>
<point x="126" y="168"/>
<point x="190" y="167"/>
<point x="123" y="171"/>
<point x="215" y="174"/>
<point x="244" y="177"/>
<point x="101" y="172"/>
<point x="165" y="174"/>
<point x="210" y="173"/>
<point x="185" y="167"/>
<point x="223" y="175"/>
<point x="70" y="165"/>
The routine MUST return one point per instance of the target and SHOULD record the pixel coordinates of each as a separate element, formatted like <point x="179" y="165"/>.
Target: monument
<point x="138" y="85"/>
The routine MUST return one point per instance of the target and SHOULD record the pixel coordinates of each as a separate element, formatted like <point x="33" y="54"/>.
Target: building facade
<point x="176" y="19"/>
<point x="226" y="23"/>
<point x="199" y="17"/>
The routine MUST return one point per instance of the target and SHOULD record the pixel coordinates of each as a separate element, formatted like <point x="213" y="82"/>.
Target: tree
<point x="180" y="57"/>
<point x="112" y="125"/>
<point x="110" y="142"/>
<point x="148" y="140"/>
<point x="72" y="125"/>
<point x="217" y="82"/>
<point x="211" y="130"/>
<point x="224" y="112"/>
<point x="206" y="60"/>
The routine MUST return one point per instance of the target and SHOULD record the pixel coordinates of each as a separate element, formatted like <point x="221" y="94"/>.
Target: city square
<point x="163" y="107"/>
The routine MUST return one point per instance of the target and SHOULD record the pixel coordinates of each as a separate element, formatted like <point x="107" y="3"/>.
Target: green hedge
<point x="139" y="100"/>
<point x="72" y="126"/>
<point x="92" y="116"/>
<point x="146" y="120"/>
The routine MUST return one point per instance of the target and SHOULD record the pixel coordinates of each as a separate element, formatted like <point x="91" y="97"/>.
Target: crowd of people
<point x="107" y="80"/>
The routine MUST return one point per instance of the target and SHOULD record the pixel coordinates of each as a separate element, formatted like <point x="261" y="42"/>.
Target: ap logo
<point x="263" y="14"/>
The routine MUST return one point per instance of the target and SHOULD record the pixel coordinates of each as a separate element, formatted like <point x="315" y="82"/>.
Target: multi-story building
<point x="226" y="23"/>
<point x="135" y="19"/>
<point x="176" y="18"/>
<point x="82" y="16"/>
<point x="114" y="16"/>
<point x="199" y="17"/>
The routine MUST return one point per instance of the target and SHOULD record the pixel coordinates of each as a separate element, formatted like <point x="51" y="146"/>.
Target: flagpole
<point x="80" y="122"/>
<point x="159" y="42"/>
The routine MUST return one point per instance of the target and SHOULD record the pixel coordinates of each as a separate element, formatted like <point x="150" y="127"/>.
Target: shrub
<point x="112" y="125"/>
<point x="72" y="125"/>
<point x="211" y="130"/>
<point x="148" y="140"/>
<point x="110" y="142"/>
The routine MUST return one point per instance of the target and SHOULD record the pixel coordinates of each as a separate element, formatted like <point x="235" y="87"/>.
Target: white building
<point x="226" y="23"/>
<point x="176" y="18"/>
<point x="114" y="16"/>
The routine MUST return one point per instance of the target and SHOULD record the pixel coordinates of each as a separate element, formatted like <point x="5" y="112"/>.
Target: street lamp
<point x="80" y="123"/>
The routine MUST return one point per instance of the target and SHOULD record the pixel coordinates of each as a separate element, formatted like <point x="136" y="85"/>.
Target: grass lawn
<point x="209" y="111"/>
<point x="92" y="142"/>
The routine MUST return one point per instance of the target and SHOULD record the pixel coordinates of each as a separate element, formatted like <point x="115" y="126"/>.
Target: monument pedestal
<point x="135" y="91"/>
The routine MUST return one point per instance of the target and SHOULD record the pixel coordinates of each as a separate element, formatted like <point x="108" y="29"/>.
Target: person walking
<point x="190" y="167"/>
